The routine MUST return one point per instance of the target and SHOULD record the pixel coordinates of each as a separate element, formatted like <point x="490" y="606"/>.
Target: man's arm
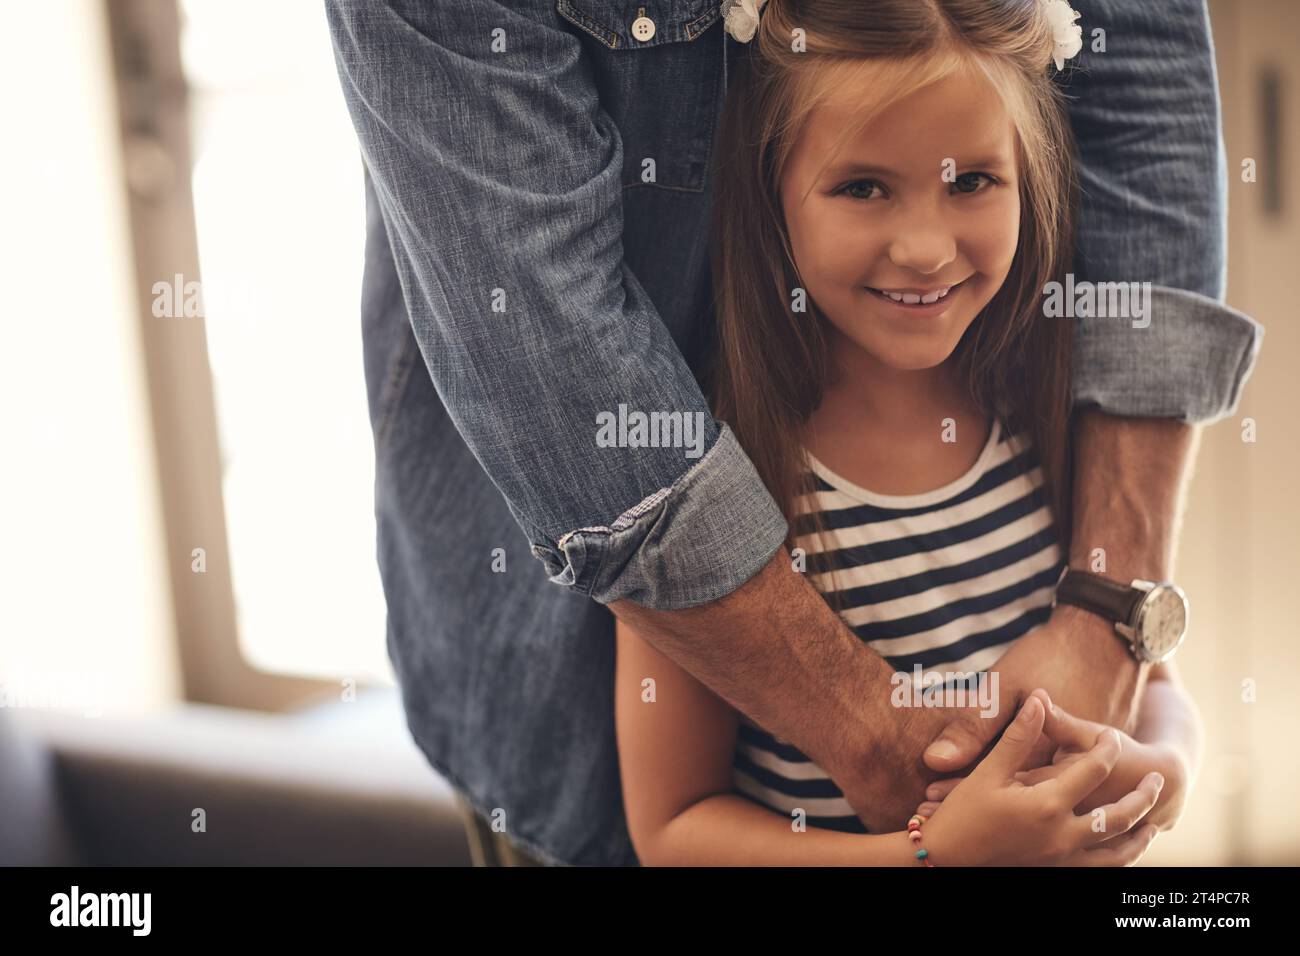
<point x="498" y="176"/>
<point x="1145" y="113"/>
<point x="776" y="651"/>
<point x="676" y="756"/>
<point x="1129" y="498"/>
<point x="499" y="179"/>
<point x="1129" y="495"/>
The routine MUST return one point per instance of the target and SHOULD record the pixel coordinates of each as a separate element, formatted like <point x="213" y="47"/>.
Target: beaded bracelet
<point x="914" y="834"/>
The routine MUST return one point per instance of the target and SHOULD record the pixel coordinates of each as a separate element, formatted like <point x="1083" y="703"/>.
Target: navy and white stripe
<point x="947" y="579"/>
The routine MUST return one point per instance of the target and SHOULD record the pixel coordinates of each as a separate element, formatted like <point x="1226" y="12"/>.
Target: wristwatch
<point x="1151" y="615"/>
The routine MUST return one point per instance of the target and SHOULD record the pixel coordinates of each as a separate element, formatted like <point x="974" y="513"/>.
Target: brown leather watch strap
<point x="1114" y="601"/>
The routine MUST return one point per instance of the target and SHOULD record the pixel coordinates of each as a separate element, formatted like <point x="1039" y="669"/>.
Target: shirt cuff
<point x="685" y="545"/>
<point x="1188" y="358"/>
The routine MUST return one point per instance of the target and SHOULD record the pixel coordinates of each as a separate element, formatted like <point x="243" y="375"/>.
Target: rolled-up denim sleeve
<point x="1145" y="112"/>
<point x="498" y="178"/>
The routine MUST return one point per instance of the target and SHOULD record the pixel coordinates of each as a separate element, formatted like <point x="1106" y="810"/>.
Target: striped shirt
<point x="947" y="579"/>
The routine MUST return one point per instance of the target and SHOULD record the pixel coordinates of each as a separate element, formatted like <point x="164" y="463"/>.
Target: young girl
<point x="893" y="189"/>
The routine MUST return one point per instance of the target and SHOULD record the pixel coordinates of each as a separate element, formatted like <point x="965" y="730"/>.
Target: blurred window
<point x="280" y="215"/>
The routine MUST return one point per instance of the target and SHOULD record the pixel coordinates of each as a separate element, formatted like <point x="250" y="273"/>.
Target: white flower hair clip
<point x="740" y="18"/>
<point x="1067" y="36"/>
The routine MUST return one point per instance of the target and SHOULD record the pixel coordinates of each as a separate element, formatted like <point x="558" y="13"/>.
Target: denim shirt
<point x="523" y="277"/>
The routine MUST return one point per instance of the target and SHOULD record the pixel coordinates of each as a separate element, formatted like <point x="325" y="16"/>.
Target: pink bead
<point x="916" y="836"/>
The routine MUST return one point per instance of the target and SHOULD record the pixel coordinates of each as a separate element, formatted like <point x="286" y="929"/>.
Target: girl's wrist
<point x="943" y="847"/>
<point x="889" y="849"/>
<point x="1172" y="764"/>
<point x="928" y="845"/>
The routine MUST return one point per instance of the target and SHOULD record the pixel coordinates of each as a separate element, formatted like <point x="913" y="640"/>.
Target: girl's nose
<point x="923" y="248"/>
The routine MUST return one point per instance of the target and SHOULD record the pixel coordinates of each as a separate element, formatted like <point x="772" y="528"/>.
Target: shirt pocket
<point x="658" y="68"/>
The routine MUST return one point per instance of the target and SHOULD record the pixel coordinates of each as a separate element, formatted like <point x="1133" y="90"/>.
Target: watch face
<point x="1163" y="621"/>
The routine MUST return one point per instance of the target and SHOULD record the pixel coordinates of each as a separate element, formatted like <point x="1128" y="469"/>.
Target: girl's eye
<point x="971" y="182"/>
<point x="967" y="183"/>
<point x="865" y="185"/>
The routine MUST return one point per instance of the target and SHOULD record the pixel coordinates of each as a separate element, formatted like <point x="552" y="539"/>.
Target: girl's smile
<point x="918" y="303"/>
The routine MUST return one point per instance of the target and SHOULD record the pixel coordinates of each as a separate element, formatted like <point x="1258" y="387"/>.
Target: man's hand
<point x="1081" y="662"/>
<point x="884" y="802"/>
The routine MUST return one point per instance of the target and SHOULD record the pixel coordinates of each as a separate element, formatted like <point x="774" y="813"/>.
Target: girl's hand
<point x="990" y="818"/>
<point x="1073" y="736"/>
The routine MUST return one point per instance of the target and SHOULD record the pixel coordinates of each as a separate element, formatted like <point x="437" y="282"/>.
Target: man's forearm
<point x="1130" y="484"/>
<point x="777" y="652"/>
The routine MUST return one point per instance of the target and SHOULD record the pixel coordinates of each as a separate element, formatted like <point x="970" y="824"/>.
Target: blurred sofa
<point x="336" y="785"/>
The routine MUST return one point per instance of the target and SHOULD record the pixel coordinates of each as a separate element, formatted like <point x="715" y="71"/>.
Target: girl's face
<point x="923" y="205"/>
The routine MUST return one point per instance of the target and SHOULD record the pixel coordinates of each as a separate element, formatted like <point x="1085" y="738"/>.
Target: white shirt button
<point x="643" y="28"/>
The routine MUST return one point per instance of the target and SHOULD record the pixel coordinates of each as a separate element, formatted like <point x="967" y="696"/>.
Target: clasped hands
<point x="1088" y="676"/>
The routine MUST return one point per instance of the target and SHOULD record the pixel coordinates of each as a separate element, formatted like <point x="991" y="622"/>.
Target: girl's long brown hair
<point x="770" y="364"/>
